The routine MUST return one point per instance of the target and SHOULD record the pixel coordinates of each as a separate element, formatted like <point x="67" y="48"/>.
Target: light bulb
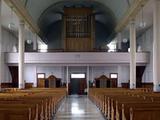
<point x="11" y="26"/>
<point x="125" y="40"/>
<point x="29" y="41"/>
<point x="142" y="24"/>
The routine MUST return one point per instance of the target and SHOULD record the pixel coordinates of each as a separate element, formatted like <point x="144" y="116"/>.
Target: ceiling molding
<point x="130" y="14"/>
<point x="22" y="12"/>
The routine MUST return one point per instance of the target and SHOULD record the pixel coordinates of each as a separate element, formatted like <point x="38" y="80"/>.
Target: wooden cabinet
<point x="28" y="85"/>
<point x="125" y="85"/>
<point x="105" y="82"/>
<point x="51" y="81"/>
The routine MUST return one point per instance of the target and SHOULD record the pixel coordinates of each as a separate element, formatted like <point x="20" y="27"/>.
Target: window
<point x="112" y="46"/>
<point x="78" y="76"/>
<point x="40" y="75"/>
<point x="113" y="75"/>
<point x="43" y="47"/>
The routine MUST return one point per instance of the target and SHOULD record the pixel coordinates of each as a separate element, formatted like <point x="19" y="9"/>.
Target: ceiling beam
<point x="130" y="14"/>
<point x="22" y="12"/>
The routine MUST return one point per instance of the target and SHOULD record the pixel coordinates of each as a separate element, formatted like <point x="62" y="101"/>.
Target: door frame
<point x="39" y="78"/>
<point x="76" y="78"/>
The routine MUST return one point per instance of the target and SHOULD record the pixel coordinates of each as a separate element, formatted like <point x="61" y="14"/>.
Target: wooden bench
<point x="125" y="104"/>
<point x="33" y="104"/>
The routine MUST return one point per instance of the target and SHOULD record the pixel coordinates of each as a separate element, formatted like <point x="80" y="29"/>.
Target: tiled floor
<point x="78" y="108"/>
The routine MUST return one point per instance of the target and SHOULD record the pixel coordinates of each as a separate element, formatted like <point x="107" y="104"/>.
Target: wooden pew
<point x="38" y="104"/>
<point x="125" y="104"/>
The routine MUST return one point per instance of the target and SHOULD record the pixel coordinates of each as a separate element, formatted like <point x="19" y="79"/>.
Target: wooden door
<point x="41" y="80"/>
<point x="78" y="86"/>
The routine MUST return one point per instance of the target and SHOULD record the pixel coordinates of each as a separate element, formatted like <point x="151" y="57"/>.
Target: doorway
<point x="14" y="74"/>
<point x="78" y="84"/>
<point x="41" y="80"/>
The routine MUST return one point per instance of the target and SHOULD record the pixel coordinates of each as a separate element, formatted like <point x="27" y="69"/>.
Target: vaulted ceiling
<point x="37" y="7"/>
<point x="47" y="12"/>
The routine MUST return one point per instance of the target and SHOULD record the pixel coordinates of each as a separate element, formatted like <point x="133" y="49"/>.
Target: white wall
<point x="78" y="58"/>
<point x="31" y="71"/>
<point x="8" y="42"/>
<point x="123" y="75"/>
<point x="75" y="69"/>
<point x="57" y="71"/>
<point x="49" y="70"/>
<point x="30" y="74"/>
<point x="146" y="41"/>
<point x="103" y="70"/>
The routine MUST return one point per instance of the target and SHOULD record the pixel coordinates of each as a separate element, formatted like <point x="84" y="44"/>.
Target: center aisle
<point x="78" y="108"/>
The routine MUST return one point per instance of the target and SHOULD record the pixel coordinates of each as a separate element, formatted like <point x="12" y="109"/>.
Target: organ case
<point x="79" y="29"/>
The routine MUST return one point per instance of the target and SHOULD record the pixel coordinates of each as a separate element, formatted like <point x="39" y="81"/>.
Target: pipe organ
<point x="79" y="29"/>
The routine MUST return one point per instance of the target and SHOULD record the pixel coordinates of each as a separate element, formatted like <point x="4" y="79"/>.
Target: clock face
<point x="125" y="40"/>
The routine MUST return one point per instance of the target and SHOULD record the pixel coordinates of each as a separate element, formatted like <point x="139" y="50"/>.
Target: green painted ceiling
<point x="47" y="12"/>
<point x="37" y="7"/>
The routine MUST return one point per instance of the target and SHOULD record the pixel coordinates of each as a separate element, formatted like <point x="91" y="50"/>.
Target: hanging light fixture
<point x="11" y="25"/>
<point x="142" y="23"/>
<point x="29" y="40"/>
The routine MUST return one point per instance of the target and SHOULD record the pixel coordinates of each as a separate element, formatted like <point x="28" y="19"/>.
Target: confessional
<point x="50" y="82"/>
<point x="105" y="82"/>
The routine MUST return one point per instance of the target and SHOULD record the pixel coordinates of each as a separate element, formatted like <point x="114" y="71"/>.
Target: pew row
<point x="31" y="104"/>
<point x="125" y="104"/>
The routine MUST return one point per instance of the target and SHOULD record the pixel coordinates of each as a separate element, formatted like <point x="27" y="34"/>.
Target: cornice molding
<point x="130" y="14"/>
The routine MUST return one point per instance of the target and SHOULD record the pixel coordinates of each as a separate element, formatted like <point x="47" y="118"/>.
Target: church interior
<point x="79" y="59"/>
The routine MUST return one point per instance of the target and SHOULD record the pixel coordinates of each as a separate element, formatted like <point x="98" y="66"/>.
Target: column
<point x="132" y="55"/>
<point x="87" y="79"/>
<point x="21" y="54"/>
<point x="67" y="78"/>
<point x="119" y="41"/>
<point x="156" y="46"/>
<point x="120" y="73"/>
<point x="0" y="43"/>
<point x="92" y="77"/>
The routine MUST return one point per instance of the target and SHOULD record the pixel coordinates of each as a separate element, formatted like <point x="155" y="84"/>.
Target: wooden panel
<point x="52" y="83"/>
<point x="125" y="85"/>
<point x="79" y="29"/>
<point x="28" y="85"/>
<point x="41" y="83"/>
<point x="105" y="82"/>
<point x="79" y="11"/>
<point x="147" y="85"/>
<point x="6" y="85"/>
<point x="113" y="82"/>
<point x="78" y="44"/>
